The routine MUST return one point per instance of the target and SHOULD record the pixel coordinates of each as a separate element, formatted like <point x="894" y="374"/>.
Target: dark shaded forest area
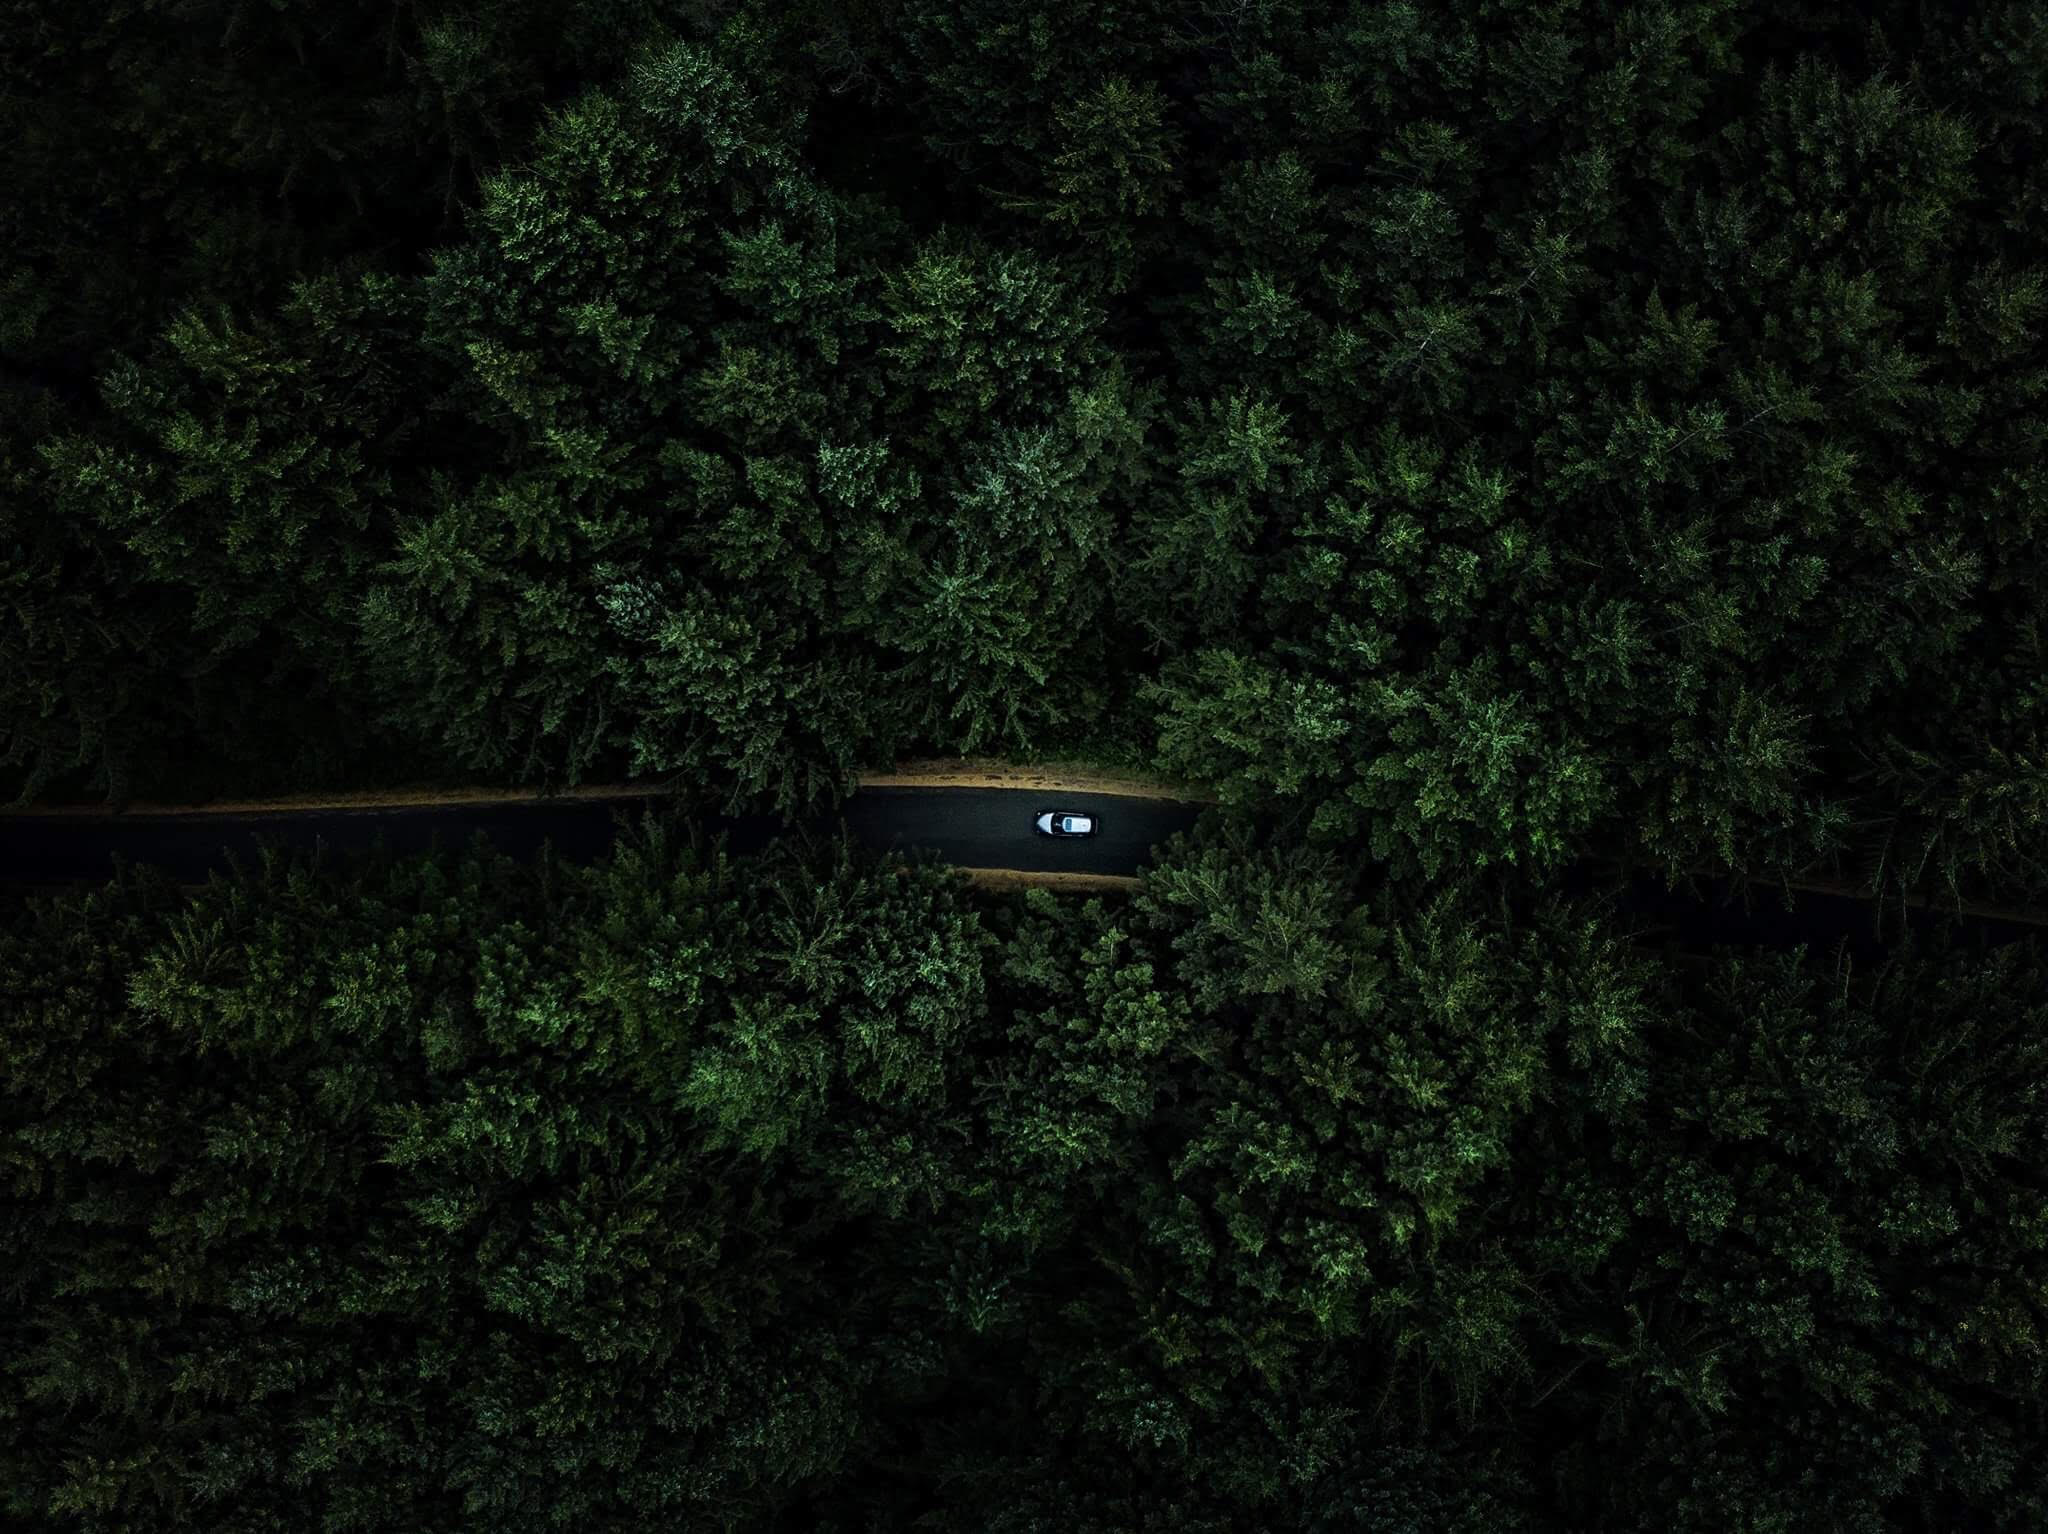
<point x="1475" y="439"/>
<point x="800" y="1191"/>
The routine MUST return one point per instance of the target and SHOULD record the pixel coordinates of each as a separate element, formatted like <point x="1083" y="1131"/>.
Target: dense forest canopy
<point x="1488" y="433"/>
<point x="1479" y="441"/>
<point x="690" y="1191"/>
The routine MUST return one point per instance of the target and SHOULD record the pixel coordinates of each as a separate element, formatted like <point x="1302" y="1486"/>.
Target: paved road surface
<point x="970" y="827"/>
<point x="991" y="827"/>
<point x="976" y="828"/>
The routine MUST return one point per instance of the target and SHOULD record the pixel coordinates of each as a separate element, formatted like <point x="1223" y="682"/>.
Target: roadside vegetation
<point x="1468" y="442"/>
<point x="691" y="1191"/>
<point x="1484" y="436"/>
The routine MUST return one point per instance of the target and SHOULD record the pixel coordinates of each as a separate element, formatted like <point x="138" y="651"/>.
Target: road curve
<point x="982" y="828"/>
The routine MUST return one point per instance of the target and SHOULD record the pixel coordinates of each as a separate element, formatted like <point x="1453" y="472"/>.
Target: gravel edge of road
<point x="1050" y="777"/>
<point x="1011" y="878"/>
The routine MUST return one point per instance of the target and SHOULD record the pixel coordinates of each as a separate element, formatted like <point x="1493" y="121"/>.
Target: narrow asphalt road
<point x="971" y="827"/>
<point x="991" y="827"/>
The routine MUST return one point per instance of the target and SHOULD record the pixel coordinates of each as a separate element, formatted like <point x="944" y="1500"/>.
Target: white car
<point x="1064" y="823"/>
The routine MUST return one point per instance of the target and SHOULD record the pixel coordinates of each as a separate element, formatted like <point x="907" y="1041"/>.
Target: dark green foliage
<point x="1287" y="1104"/>
<point x="161" y="153"/>
<point x="459" y="1192"/>
<point x="586" y="590"/>
<point x="1493" y="437"/>
<point x="699" y="1192"/>
<point x="1712" y="383"/>
<point x="1963" y="826"/>
<point x="1469" y="439"/>
<point x="225" y="521"/>
<point x="1825" y="1196"/>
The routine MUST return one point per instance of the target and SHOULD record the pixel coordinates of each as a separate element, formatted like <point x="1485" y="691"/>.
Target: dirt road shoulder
<point x="1049" y="777"/>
